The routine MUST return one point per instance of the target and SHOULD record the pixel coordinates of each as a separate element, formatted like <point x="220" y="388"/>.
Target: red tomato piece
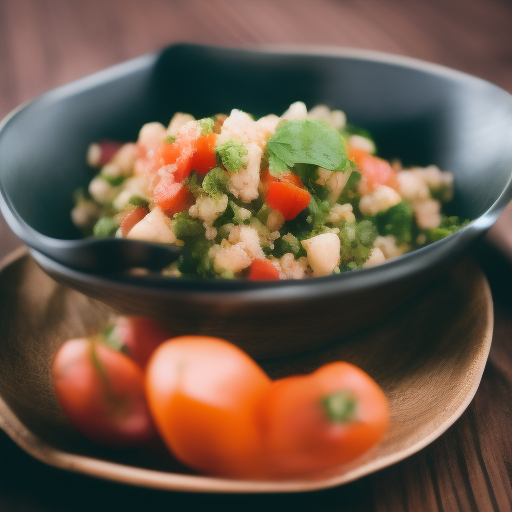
<point x="203" y="393"/>
<point x="131" y="219"/>
<point x="204" y="157"/>
<point x="266" y="179"/>
<point x="108" y="148"/>
<point x="137" y="336"/>
<point x="262" y="270"/>
<point x="289" y="199"/>
<point x="102" y="393"/>
<point x="172" y="197"/>
<point x="322" y="420"/>
<point x="376" y="171"/>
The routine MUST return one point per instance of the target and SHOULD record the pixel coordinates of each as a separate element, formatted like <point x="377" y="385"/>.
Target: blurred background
<point x="47" y="43"/>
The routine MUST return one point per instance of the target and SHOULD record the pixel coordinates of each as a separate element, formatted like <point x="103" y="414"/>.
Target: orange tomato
<point x="203" y="394"/>
<point x="204" y="157"/>
<point x="172" y="197"/>
<point x="137" y="336"/>
<point x="319" y="421"/>
<point x="375" y="171"/>
<point x="285" y="193"/>
<point x="102" y="393"/>
<point x="287" y="198"/>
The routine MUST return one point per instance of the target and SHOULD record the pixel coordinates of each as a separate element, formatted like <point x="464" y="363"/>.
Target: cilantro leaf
<point x="306" y="142"/>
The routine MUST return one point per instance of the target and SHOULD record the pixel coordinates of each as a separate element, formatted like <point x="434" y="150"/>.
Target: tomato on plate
<point x="102" y="393"/>
<point x="136" y="336"/>
<point x="203" y="394"/>
<point x="322" y="420"/>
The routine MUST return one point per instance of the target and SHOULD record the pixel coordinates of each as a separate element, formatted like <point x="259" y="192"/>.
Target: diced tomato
<point x="376" y="171"/>
<point x="188" y="152"/>
<point x="266" y="179"/>
<point x="287" y="198"/>
<point x="262" y="270"/>
<point x="131" y="219"/>
<point x="108" y="149"/>
<point x="172" y="197"/>
<point x="204" y="157"/>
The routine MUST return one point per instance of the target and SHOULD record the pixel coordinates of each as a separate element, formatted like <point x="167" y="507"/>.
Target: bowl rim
<point x="364" y="278"/>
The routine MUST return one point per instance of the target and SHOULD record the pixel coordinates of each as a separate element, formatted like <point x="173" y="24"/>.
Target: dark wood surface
<point x="45" y="43"/>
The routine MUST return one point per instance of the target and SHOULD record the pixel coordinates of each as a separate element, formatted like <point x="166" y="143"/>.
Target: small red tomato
<point x="262" y="270"/>
<point x="203" y="394"/>
<point x="102" y="393"/>
<point x="136" y="336"/>
<point x="375" y="171"/>
<point x="319" y="421"/>
<point x="287" y="198"/>
<point x="132" y="218"/>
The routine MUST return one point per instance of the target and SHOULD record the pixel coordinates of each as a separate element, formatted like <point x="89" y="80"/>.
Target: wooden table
<point x="45" y="43"/>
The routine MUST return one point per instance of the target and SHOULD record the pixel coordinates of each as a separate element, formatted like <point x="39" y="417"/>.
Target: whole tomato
<point x="203" y="394"/>
<point x="136" y="336"/>
<point x="102" y="393"/>
<point x="322" y="420"/>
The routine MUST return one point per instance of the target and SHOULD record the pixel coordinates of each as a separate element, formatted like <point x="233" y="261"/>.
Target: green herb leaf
<point x="105" y="227"/>
<point x="306" y="142"/>
<point x="170" y="139"/>
<point x="139" y="201"/>
<point x="233" y="155"/>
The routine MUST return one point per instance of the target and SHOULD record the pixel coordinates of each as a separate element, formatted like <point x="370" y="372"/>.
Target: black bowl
<point x="418" y="112"/>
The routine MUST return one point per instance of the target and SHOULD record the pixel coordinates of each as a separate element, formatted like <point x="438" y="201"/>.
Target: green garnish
<point x="306" y="142"/>
<point x="139" y="201"/>
<point x="233" y="155"/>
<point x="106" y="226"/>
<point x="340" y="407"/>
<point x="111" y="339"/>
<point x="184" y="225"/>
<point x="397" y="221"/>
<point x="215" y="183"/>
<point x="356" y="242"/>
<point x="318" y="211"/>
<point x="206" y="125"/>
<point x="449" y="225"/>
<point x="170" y="139"/>
<point x="113" y="180"/>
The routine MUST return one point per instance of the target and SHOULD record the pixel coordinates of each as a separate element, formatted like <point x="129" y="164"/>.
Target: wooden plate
<point x="428" y="357"/>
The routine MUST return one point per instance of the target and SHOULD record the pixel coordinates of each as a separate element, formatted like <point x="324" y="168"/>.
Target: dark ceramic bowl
<point x="418" y="112"/>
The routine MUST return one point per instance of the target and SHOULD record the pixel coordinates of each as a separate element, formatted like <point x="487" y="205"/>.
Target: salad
<point x="282" y="197"/>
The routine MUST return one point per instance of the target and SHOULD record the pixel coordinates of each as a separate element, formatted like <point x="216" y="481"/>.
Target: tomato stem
<point x="340" y="407"/>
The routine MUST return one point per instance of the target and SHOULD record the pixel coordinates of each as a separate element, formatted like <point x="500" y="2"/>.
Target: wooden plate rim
<point x="121" y="473"/>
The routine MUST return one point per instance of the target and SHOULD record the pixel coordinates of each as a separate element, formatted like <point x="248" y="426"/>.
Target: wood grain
<point x="429" y="372"/>
<point x="45" y="43"/>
